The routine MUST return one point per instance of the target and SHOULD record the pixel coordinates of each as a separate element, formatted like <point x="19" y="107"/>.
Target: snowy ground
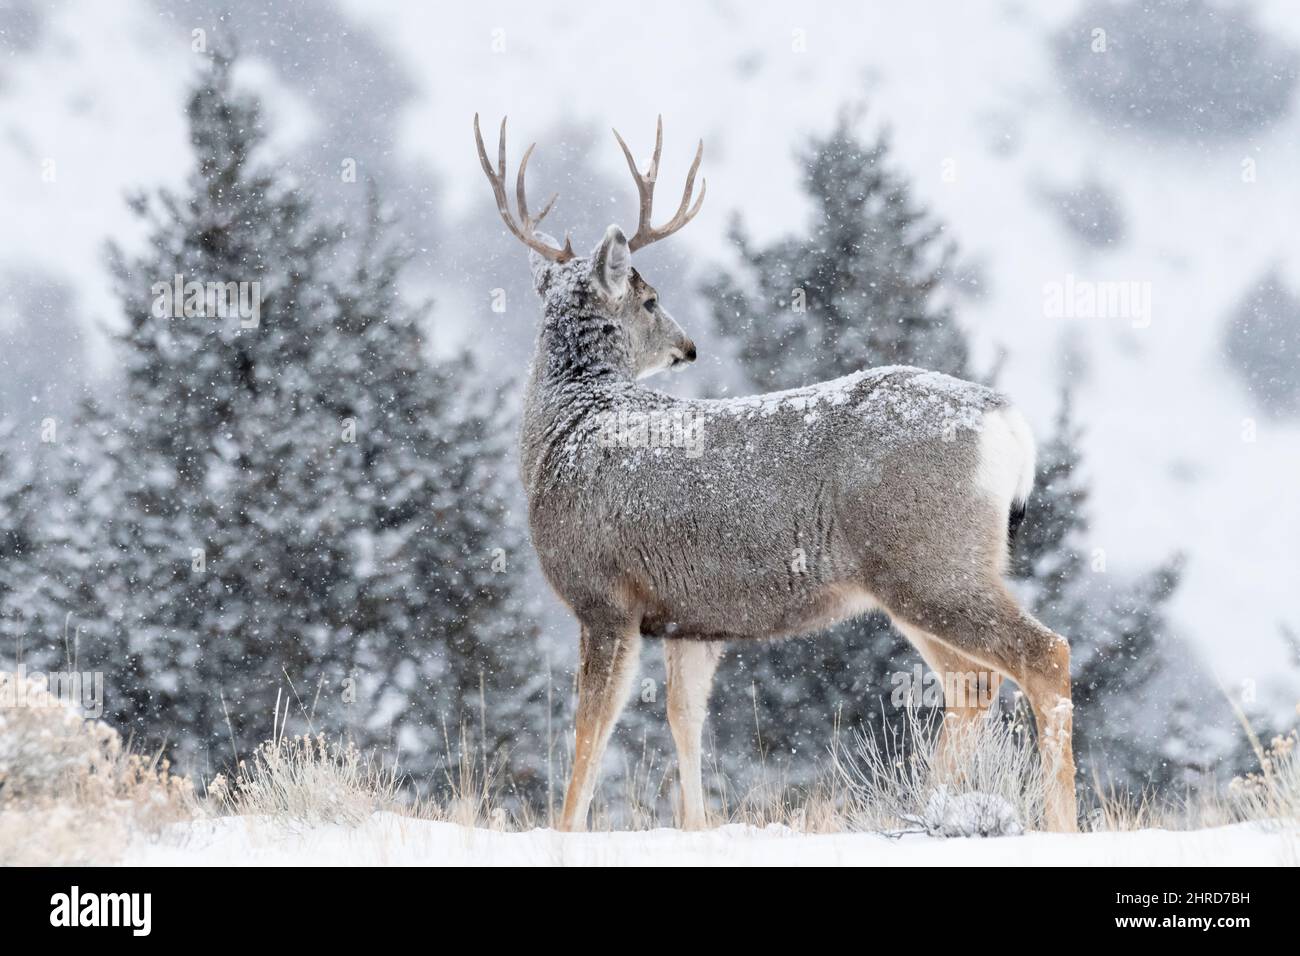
<point x="388" y="839"/>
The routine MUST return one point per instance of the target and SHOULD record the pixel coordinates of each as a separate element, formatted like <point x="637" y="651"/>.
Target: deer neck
<point x="577" y="348"/>
<point x="579" y="369"/>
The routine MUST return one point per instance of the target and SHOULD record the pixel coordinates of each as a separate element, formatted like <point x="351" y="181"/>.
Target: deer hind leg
<point x="1046" y="683"/>
<point x="690" y="666"/>
<point x="969" y="690"/>
<point x="607" y="663"/>
<point x="991" y="628"/>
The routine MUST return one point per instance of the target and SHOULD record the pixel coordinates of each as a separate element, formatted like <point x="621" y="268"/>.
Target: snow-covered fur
<point x="888" y="483"/>
<point x="891" y="487"/>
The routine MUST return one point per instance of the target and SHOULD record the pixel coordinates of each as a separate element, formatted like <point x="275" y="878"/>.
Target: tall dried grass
<point x="904" y="778"/>
<point x="70" y="792"/>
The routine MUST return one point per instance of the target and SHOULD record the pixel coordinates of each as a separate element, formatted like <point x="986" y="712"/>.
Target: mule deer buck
<point x="892" y="488"/>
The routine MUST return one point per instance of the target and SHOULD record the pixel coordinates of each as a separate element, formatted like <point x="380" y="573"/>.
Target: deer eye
<point x="650" y="304"/>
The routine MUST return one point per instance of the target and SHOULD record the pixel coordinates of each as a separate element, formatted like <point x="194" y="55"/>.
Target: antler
<point x="645" y="187"/>
<point x="524" y="230"/>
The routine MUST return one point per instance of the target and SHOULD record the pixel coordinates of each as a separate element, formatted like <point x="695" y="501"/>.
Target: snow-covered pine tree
<point x="442" y="556"/>
<point x="50" y="495"/>
<point x="18" y="520"/>
<point x="1049" y="549"/>
<point x="867" y="284"/>
<point x="306" y="506"/>
<point x="864" y="286"/>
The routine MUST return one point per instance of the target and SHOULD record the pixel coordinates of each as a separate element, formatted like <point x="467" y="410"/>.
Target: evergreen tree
<point x="305" y="505"/>
<point x="866" y="285"/>
<point x="863" y="287"/>
<point x="17" y="519"/>
<point x="1048" y="549"/>
<point x="44" y="548"/>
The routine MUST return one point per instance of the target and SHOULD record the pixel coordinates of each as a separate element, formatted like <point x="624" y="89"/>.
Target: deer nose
<point x="689" y="351"/>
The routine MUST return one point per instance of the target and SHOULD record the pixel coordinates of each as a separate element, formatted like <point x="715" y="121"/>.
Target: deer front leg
<point x="608" y="655"/>
<point x="690" y="666"/>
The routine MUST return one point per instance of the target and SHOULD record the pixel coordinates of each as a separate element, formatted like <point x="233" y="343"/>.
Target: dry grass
<point x="306" y="780"/>
<point x="1273" y="792"/>
<point x="475" y="788"/>
<point x="1122" y="811"/>
<point x="815" y="809"/>
<point x="1269" y="795"/>
<point x="900" y="779"/>
<point x="70" y="793"/>
<point x="634" y="804"/>
<point x="878" y="782"/>
<point x="883" y="783"/>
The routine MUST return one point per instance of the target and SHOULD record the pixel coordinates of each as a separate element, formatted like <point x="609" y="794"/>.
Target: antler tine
<point x="482" y="151"/>
<point x="652" y="173"/>
<point x="494" y="178"/>
<point x="646" y="232"/>
<point x="688" y="191"/>
<point x="631" y="164"/>
<point x="547" y="208"/>
<point x="520" y="196"/>
<point x="523" y="229"/>
<point x="501" y="150"/>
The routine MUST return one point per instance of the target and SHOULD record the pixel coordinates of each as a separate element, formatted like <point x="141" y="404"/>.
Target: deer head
<point x="630" y="319"/>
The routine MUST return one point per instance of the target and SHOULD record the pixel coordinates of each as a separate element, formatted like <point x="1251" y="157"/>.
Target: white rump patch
<point x="1007" y="452"/>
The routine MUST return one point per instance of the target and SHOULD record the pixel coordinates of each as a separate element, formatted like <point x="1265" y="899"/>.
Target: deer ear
<point x="611" y="263"/>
